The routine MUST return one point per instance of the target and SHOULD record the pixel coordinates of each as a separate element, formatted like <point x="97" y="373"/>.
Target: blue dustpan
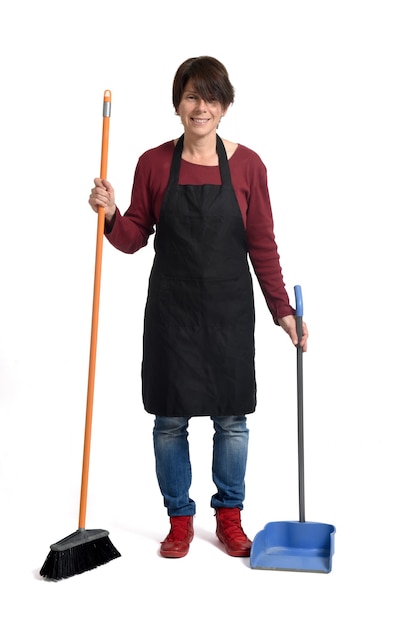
<point x="295" y="546"/>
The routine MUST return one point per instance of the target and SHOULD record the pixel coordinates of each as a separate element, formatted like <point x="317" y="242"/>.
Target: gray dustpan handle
<point x="300" y="403"/>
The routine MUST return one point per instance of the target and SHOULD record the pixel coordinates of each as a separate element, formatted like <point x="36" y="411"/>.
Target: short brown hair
<point x="210" y="79"/>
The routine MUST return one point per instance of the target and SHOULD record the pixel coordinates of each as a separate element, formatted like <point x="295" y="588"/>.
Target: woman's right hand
<point x="102" y="195"/>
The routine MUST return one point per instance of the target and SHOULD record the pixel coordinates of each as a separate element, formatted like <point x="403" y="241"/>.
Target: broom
<point x="86" y="549"/>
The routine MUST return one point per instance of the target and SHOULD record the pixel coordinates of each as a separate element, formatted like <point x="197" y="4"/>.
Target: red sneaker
<point x="177" y="543"/>
<point x="230" y="532"/>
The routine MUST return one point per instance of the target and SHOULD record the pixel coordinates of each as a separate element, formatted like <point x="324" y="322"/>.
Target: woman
<point x="207" y="201"/>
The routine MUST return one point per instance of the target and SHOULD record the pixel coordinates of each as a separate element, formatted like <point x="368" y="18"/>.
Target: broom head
<point x="80" y="552"/>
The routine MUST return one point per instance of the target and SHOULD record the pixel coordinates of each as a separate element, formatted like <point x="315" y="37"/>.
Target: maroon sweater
<point x="131" y="231"/>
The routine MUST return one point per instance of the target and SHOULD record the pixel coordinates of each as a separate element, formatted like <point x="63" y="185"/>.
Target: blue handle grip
<point x="299" y="311"/>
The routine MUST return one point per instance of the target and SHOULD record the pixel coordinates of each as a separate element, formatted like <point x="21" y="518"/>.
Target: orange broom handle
<point x="94" y="322"/>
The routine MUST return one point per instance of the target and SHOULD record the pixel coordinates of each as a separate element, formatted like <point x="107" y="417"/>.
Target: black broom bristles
<point x="80" y="552"/>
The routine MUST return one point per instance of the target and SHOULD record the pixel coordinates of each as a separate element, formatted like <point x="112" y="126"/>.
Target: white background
<point x="326" y="94"/>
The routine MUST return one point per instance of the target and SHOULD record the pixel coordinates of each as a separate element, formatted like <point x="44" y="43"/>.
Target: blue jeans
<point x="173" y="467"/>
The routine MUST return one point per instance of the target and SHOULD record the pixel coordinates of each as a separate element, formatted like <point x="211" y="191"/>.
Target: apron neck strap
<point x="223" y="163"/>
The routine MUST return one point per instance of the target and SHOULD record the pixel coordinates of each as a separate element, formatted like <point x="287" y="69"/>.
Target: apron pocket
<point x="211" y="303"/>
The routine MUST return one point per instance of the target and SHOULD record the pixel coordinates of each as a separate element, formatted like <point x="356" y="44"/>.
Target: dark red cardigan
<point x="131" y="231"/>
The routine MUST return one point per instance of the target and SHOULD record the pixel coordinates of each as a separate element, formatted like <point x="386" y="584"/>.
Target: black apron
<point x="198" y="344"/>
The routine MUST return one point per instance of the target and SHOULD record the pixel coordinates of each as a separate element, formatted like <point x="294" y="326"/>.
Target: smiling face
<point x="201" y="95"/>
<point x="199" y="116"/>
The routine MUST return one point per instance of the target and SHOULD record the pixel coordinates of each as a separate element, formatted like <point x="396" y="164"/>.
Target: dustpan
<point x="295" y="545"/>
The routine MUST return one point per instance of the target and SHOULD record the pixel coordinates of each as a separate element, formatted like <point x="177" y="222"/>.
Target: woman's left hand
<point x="288" y="324"/>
